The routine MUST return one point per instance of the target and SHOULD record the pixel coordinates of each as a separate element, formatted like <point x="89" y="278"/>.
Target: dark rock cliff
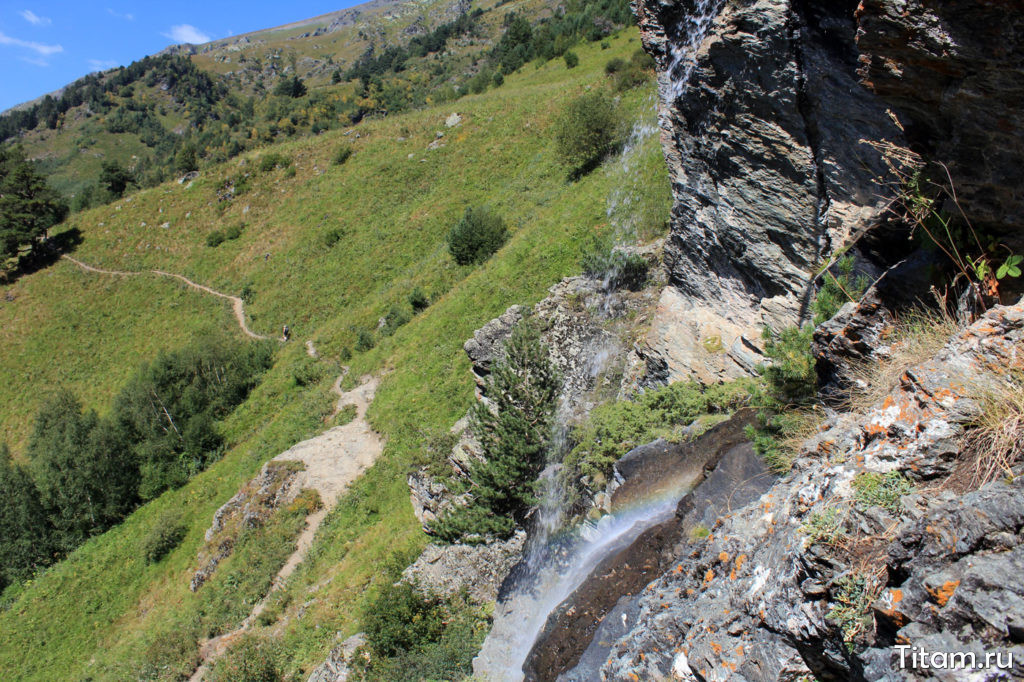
<point x="762" y="116"/>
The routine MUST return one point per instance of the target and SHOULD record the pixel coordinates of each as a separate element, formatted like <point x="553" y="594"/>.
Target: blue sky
<point x="45" y="45"/>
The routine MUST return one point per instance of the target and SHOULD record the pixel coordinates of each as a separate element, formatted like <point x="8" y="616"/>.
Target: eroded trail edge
<point x="333" y="460"/>
<point x="237" y="304"/>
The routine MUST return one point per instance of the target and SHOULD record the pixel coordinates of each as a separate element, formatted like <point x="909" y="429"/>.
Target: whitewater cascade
<point x="556" y="565"/>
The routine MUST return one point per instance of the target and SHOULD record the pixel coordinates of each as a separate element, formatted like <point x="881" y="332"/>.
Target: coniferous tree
<point x="515" y="432"/>
<point x="25" y="535"/>
<point x="28" y="206"/>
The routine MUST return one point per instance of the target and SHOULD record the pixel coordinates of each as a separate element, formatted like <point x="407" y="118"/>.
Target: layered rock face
<point x="762" y="117"/>
<point x="954" y="73"/>
<point x="773" y="594"/>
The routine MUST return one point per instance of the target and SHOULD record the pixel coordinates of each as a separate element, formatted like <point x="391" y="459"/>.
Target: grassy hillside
<point x="103" y="613"/>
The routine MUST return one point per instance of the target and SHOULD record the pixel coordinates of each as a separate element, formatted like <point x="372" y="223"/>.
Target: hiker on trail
<point x="287" y="332"/>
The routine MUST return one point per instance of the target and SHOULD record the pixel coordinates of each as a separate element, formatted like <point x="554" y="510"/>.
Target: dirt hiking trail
<point x="237" y="304"/>
<point x="333" y="460"/>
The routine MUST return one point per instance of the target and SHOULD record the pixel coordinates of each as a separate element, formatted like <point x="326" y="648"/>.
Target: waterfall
<point x="558" y="560"/>
<point x="682" y="54"/>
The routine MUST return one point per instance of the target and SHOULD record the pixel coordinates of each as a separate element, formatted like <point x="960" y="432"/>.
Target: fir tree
<point x="514" y="428"/>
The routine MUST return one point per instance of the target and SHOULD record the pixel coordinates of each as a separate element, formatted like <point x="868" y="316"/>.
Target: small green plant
<point x="163" y="537"/>
<point x="613" y="429"/>
<point x="215" y="239"/>
<point x="603" y="261"/>
<point x="364" y="340"/>
<point x="253" y="659"/>
<point x="344" y="416"/>
<point x="341" y="155"/>
<point x="395" y="318"/>
<point x="589" y="130"/>
<point x="273" y="160"/>
<point x="234" y="231"/>
<point x="699" y="532"/>
<point x="571" y="60"/>
<point x="851" y="608"/>
<point x="418" y="300"/>
<point x="824" y="527"/>
<point x="477" y="236"/>
<point x="881" y="490"/>
<point x="332" y="236"/>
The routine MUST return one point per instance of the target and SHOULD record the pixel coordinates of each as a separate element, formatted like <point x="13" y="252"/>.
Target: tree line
<point x="85" y="473"/>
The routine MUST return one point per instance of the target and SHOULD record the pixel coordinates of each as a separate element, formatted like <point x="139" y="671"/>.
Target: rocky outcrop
<point x="478" y="569"/>
<point x="953" y="72"/>
<point x="761" y="116"/>
<point x="788" y="586"/>
<point x="276" y="485"/>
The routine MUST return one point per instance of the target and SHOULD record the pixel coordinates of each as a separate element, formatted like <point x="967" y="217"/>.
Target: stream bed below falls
<point x="573" y="596"/>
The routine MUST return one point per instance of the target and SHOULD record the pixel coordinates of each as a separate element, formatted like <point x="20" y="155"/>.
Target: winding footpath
<point x="237" y="304"/>
<point x="333" y="460"/>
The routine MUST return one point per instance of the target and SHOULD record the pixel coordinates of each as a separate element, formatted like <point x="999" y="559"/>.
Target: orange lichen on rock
<point x="723" y="557"/>
<point x="709" y="576"/>
<point x="943" y="593"/>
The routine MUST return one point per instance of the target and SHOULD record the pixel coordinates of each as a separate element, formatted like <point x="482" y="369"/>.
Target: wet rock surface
<point x="575" y="624"/>
<point x="761" y="597"/>
<point x="761" y="117"/>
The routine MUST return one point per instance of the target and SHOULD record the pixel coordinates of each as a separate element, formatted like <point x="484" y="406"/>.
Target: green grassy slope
<point x="102" y="614"/>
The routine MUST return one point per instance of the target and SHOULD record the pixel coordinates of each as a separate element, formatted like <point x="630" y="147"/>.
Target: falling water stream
<point x="559" y="560"/>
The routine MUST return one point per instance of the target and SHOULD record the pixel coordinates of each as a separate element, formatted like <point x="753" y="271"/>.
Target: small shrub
<point x="164" y="536"/>
<point x="851" y="609"/>
<point x="477" y="236"/>
<point x="498" y="79"/>
<point x="215" y="239"/>
<point x="571" y="60"/>
<point x="881" y="490"/>
<point x="395" y="318"/>
<point x="233" y="232"/>
<point x="307" y="371"/>
<point x="364" y="340"/>
<point x="341" y="155"/>
<point x="824" y="527"/>
<point x="418" y="300"/>
<point x="400" y="619"/>
<point x="589" y="130"/>
<point x="613" y="429"/>
<point x="616" y="268"/>
<point x="641" y="60"/>
<point x="614" y="65"/>
<point x="332" y="236"/>
<point x="253" y="659"/>
<point x="273" y="160"/>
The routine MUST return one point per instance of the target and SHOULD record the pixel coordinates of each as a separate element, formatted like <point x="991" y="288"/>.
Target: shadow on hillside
<point x="44" y="255"/>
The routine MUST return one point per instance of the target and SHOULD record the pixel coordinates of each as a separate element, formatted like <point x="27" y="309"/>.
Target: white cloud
<point x="35" y="61"/>
<point x="44" y="50"/>
<point x="34" y="19"/>
<point x="187" y="33"/>
<point x="101" y="64"/>
<point x="126" y="17"/>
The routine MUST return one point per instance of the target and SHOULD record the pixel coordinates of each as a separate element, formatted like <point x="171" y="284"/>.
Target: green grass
<point x="104" y="613"/>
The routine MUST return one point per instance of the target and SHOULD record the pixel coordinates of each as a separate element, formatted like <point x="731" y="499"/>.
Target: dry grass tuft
<point x="918" y="335"/>
<point x="995" y="442"/>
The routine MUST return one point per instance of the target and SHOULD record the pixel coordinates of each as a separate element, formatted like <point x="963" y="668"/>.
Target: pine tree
<point x="514" y="428"/>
